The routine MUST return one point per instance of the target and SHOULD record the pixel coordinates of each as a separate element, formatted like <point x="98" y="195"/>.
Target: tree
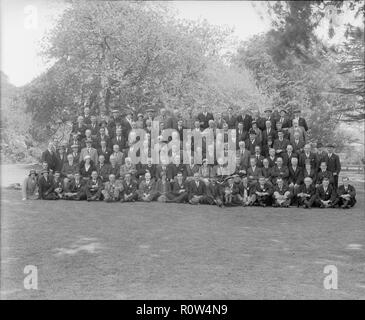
<point x="130" y="55"/>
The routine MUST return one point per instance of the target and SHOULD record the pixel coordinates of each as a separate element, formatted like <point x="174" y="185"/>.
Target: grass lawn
<point x="166" y="251"/>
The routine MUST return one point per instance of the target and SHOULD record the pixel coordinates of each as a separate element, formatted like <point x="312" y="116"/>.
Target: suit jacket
<point x="106" y="138"/>
<point x="312" y="174"/>
<point x="295" y="177"/>
<point x="329" y="194"/>
<point x="50" y="158"/>
<point x="231" y="121"/>
<point x="259" y="160"/>
<point x="302" y="123"/>
<point x="79" y="129"/>
<point x="191" y="170"/>
<point x="281" y="145"/>
<point x="281" y="191"/>
<point x="172" y="170"/>
<point x="60" y="162"/>
<point x="97" y="185"/>
<point x="86" y="173"/>
<point x="246" y="120"/>
<point x="241" y="136"/>
<point x="147" y="188"/>
<point x="45" y="187"/>
<point x="272" y="162"/>
<point x="311" y="157"/>
<point x="103" y="171"/>
<point x="163" y="188"/>
<point x="177" y="188"/>
<point x="266" y="135"/>
<point x="326" y="174"/>
<point x="311" y="190"/>
<point x="251" y="145"/>
<point x="265" y="188"/>
<point x="130" y="188"/>
<point x="297" y="147"/>
<point x="94" y="128"/>
<point x="302" y="133"/>
<point x="119" y="157"/>
<point x="121" y="143"/>
<point x="205" y="119"/>
<point x="253" y="174"/>
<point x="77" y="186"/>
<point x="286" y="123"/>
<point x="69" y="169"/>
<point x="287" y="158"/>
<point x="277" y="172"/>
<point x="350" y="190"/>
<point x="76" y="157"/>
<point x="93" y="154"/>
<point x="245" y="157"/>
<point x="333" y="163"/>
<point x="195" y="190"/>
<point x="106" y="153"/>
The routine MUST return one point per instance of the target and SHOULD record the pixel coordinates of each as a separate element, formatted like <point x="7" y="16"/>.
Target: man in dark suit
<point x="180" y="190"/>
<point x="76" y="189"/>
<point x="127" y="124"/>
<point x="104" y="150"/>
<point x="241" y="134"/>
<point x="93" y="126"/>
<point x="253" y="172"/>
<point x="284" y="120"/>
<point x="326" y="194"/>
<point x="306" y="194"/>
<point x="279" y="171"/>
<point x="280" y="144"/>
<point x="60" y="158"/>
<point x="261" y="192"/>
<point x="252" y="141"/>
<point x="268" y="132"/>
<point x="49" y="156"/>
<point x="282" y="195"/>
<point x="288" y="155"/>
<point x="93" y="187"/>
<point x="295" y="175"/>
<point x="180" y="129"/>
<point x="333" y="164"/>
<point x="129" y="192"/>
<point x="230" y="118"/>
<point x="119" y="139"/>
<point x="324" y="173"/>
<point x="269" y="117"/>
<point x="198" y="191"/>
<point x="346" y="194"/>
<point x="102" y="136"/>
<point x="246" y="120"/>
<point x="46" y="186"/>
<point x="204" y="117"/>
<point x="308" y="155"/>
<point x="301" y="121"/>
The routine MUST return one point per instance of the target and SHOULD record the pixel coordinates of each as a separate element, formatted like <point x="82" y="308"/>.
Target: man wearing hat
<point x="90" y="151"/>
<point x="269" y="117"/>
<point x="75" y="153"/>
<point x="88" y="137"/>
<point x="46" y="186"/>
<point x="333" y="163"/>
<point x="115" y="118"/>
<point x="30" y="186"/>
<point x="252" y="141"/>
<point x="301" y="121"/>
<point x="284" y="119"/>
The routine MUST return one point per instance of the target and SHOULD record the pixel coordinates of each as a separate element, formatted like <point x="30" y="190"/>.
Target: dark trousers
<point x="301" y="201"/>
<point x="93" y="193"/>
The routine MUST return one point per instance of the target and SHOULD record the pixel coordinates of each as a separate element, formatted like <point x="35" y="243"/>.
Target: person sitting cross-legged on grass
<point x="215" y="191"/>
<point x="112" y="189"/>
<point x="306" y="193"/>
<point x="76" y="188"/>
<point x="146" y="190"/>
<point x="93" y="187"/>
<point x="46" y="186"/>
<point x="261" y="193"/>
<point x="58" y="184"/>
<point x="30" y="186"/>
<point x="346" y="194"/>
<point x="162" y="189"/>
<point x="326" y="194"/>
<point x="232" y="191"/>
<point x="129" y="191"/>
<point x="282" y="194"/>
<point x="198" y="191"/>
<point x="180" y="190"/>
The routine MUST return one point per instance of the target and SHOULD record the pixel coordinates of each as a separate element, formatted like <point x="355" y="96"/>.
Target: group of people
<point x="275" y="165"/>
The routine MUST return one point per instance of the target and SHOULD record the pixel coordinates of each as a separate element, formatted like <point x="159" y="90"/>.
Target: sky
<point x="25" y="22"/>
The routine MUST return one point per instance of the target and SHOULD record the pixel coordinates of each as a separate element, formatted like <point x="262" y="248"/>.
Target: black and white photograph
<point x="182" y="151"/>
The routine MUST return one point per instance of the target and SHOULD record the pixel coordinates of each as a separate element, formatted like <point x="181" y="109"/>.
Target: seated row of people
<point x="232" y="191"/>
